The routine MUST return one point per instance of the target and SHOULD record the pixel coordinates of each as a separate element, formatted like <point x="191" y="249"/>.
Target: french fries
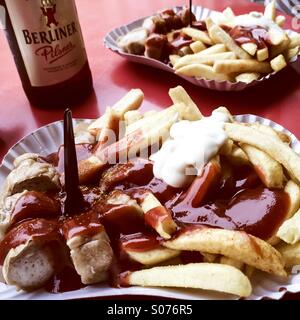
<point x="242" y="65"/>
<point x="275" y="148"/>
<point x="203" y="59"/>
<point x="157" y="216"/>
<point x="180" y="96"/>
<point x="177" y="238"/>
<point x="207" y="276"/>
<point x="131" y="101"/>
<point x="278" y="63"/>
<point x="197" y="35"/>
<point x="202" y="71"/>
<point x="152" y="257"/>
<point x="268" y="169"/>
<point x="247" y="77"/>
<point x="197" y="47"/>
<point x="221" y="35"/>
<point x="229" y="37"/>
<point x="233" y="244"/>
<point x="270" y="11"/>
<point x="290" y="254"/>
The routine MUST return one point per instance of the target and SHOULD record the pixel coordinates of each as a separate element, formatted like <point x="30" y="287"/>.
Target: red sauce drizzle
<point x="242" y="203"/>
<point x="140" y="242"/>
<point x="38" y="229"/>
<point x="35" y="205"/>
<point x="255" y="34"/>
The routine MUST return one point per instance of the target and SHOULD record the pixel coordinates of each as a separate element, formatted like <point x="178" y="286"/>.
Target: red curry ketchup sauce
<point x="239" y="203"/>
<point x="180" y="40"/>
<point x="38" y="229"/>
<point x="35" y="205"/>
<point x="257" y="35"/>
<point x="140" y="242"/>
<point x="82" y="225"/>
<point x="83" y="152"/>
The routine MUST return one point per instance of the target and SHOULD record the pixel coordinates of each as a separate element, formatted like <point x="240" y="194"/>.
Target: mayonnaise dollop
<point x="256" y="19"/>
<point x="191" y="145"/>
<point x="251" y="19"/>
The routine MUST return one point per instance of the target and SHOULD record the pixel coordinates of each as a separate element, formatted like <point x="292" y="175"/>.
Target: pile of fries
<point x="230" y="256"/>
<point x="227" y="49"/>
<point x="217" y="56"/>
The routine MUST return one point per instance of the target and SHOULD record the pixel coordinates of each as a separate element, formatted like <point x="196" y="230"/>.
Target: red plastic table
<point x="113" y="77"/>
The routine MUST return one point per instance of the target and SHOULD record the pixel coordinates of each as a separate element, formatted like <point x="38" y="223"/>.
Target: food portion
<point x="223" y="47"/>
<point x="172" y="199"/>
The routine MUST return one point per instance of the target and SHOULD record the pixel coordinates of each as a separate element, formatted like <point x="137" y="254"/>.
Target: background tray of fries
<point x="47" y="140"/>
<point x="201" y="13"/>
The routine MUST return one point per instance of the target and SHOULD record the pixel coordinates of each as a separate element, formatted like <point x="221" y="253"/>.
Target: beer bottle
<point x="46" y="41"/>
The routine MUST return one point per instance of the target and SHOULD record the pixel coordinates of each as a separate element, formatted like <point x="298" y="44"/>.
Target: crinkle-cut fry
<point x="269" y="170"/>
<point x="236" y="245"/>
<point x="218" y="33"/>
<point x="131" y="101"/>
<point x="207" y="276"/>
<point x="208" y="59"/>
<point x="262" y="54"/>
<point x="250" y="47"/>
<point x="294" y="40"/>
<point x="152" y="257"/>
<point x="157" y="216"/>
<point x="197" y="35"/>
<point x="275" y="148"/>
<point x="197" y="47"/>
<point x="270" y="11"/>
<point x="247" y="77"/>
<point x="217" y="48"/>
<point x="278" y="63"/>
<point x="291" y="255"/>
<point x="241" y="66"/>
<point x="289" y="232"/>
<point x="237" y="156"/>
<point x="179" y="96"/>
<point x="203" y="71"/>
<point x="231" y="262"/>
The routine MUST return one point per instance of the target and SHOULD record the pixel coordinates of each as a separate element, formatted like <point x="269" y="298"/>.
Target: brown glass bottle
<point x="46" y="41"/>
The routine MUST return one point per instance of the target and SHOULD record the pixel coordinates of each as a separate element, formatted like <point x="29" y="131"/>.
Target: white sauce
<point x="257" y="19"/>
<point x="191" y="146"/>
<point x="250" y="20"/>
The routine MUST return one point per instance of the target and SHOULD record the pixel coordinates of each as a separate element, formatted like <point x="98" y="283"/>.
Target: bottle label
<point x="50" y="39"/>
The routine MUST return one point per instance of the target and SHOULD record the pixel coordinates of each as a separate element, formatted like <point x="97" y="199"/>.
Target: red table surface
<point x="277" y="99"/>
